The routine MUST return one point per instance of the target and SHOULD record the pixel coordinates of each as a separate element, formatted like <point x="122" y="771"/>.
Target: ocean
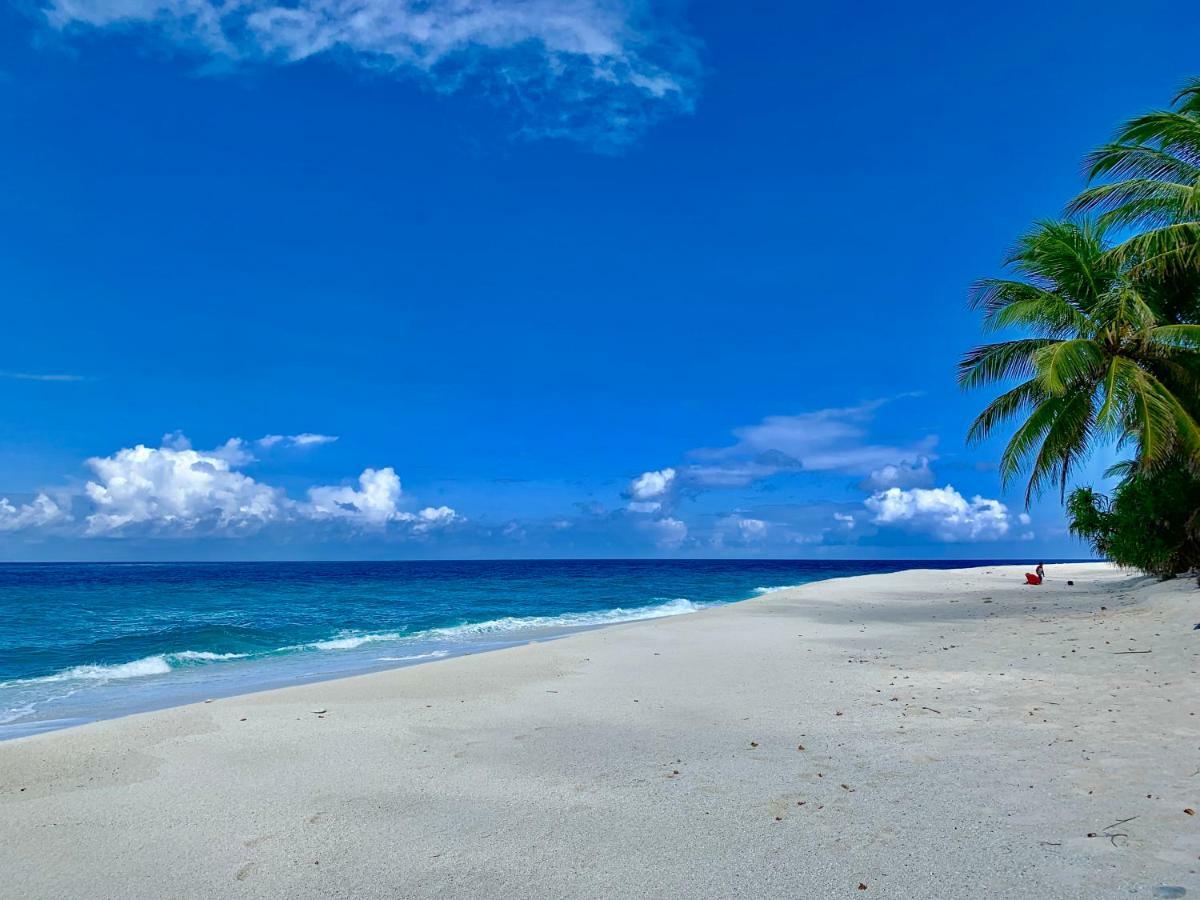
<point x="86" y="641"/>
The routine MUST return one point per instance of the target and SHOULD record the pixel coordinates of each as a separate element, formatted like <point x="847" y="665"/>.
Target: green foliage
<point x="1101" y="362"/>
<point x="1110" y="344"/>
<point x="1148" y="179"/>
<point x="1152" y="522"/>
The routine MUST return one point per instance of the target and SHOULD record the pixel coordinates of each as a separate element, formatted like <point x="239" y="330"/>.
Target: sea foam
<point x="158" y="664"/>
<point x="164" y="663"/>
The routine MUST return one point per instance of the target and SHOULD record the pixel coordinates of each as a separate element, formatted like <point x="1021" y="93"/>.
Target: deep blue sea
<point x="80" y="642"/>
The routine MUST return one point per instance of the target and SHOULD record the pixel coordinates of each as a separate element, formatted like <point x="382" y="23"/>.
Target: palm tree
<point x="1100" y="363"/>
<point x="1152" y="186"/>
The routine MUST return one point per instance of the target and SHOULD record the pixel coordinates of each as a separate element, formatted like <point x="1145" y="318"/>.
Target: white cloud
<point x="178" y="490"/>
<point x="306" y="439"/>
<point x="234" y="452"/>
<point x="731" y="474"/>
<point x="649" y="485"/>
<point x="374" y="502"/>
<point x="646" y="492"/>
<point x="825" y="440"/>
<point x="594" y="70"/>
<point x="738" y="530"/>
<point x="941" y="512"/>
<point x="902" y="474"/>
<point x="752" y="529"/>
<point x="668" y="532"/>
<point x="42" y="511"/>
<point x="176" y="487"/>
<point x="432" y="517"/>
<point x="845" y="519"/>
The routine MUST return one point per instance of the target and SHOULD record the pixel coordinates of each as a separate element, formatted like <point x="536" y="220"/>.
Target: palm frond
<point x="1063" y="364"/>
<point x="997" y="362"/>
<point x="1006" y="406"/>
<point x="1066" y="443"/>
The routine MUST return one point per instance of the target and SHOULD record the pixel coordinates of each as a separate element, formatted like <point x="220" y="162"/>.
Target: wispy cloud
<point x="305" y="439"/>
<point x="36" y="376"/>
<point x="836" y="439"/>
<point x="597" y="71"/>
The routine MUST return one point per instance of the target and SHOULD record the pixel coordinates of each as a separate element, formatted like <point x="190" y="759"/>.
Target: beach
<point x="949" y="733"/>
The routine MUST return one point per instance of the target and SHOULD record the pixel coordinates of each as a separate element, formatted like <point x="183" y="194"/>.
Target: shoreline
<point x="956" y="727"/>
<point x="168" y="673"/>
<point x="283" y="682"/>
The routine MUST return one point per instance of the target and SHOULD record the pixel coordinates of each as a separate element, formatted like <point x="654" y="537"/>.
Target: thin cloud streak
<point x="35" y="376"/>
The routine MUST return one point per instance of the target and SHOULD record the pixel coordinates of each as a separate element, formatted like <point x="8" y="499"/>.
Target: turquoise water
<point x="80" y="642"/>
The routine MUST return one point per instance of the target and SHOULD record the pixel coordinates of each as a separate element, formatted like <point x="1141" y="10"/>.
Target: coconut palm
<point x="1150" y="183"/>
<point x="1099" y="362"/>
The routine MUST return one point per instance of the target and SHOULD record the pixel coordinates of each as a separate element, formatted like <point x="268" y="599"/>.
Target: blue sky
<point x="576" y="278"/>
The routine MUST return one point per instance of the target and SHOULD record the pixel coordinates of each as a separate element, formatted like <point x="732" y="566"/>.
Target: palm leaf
<point x="996" y="362"/>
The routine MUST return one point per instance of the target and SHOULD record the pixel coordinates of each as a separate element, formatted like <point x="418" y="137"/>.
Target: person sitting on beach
<point x="1037" y="575"/>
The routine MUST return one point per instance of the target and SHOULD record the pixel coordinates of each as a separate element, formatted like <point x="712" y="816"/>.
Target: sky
<point x="529" y="278"/>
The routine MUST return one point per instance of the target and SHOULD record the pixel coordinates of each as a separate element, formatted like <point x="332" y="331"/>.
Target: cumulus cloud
<point x="432" y="517"/>
<point x="40" y="512"/>
<point x="845" y="519"/>
<point x="177" y="490"/>
<point x="668" y="532"/>
<point x="942" y="513"/>
<point x="599" y="71"/>
<point x="375" y="502"/>
<point x="646" y="492"/>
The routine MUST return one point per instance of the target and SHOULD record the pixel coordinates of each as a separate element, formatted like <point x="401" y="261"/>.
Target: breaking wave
<point x="163" y="663"/>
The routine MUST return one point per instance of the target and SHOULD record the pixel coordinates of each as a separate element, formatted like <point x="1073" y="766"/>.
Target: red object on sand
<point x="1030" y="578"/>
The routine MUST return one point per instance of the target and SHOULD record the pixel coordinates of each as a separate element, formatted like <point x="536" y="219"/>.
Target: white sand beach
<point x="927" y="734"/>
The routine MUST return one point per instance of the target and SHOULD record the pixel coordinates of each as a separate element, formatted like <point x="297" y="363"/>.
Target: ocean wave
<point x="164" y="663"/>
<point x="16" y="713"/>
<point x="349" y="641"/>
<point x="158" y="664"/>
<point x="678" y="606"/>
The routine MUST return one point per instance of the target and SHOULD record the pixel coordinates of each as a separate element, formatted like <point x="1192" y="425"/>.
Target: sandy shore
<point x="927" y="734"/>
